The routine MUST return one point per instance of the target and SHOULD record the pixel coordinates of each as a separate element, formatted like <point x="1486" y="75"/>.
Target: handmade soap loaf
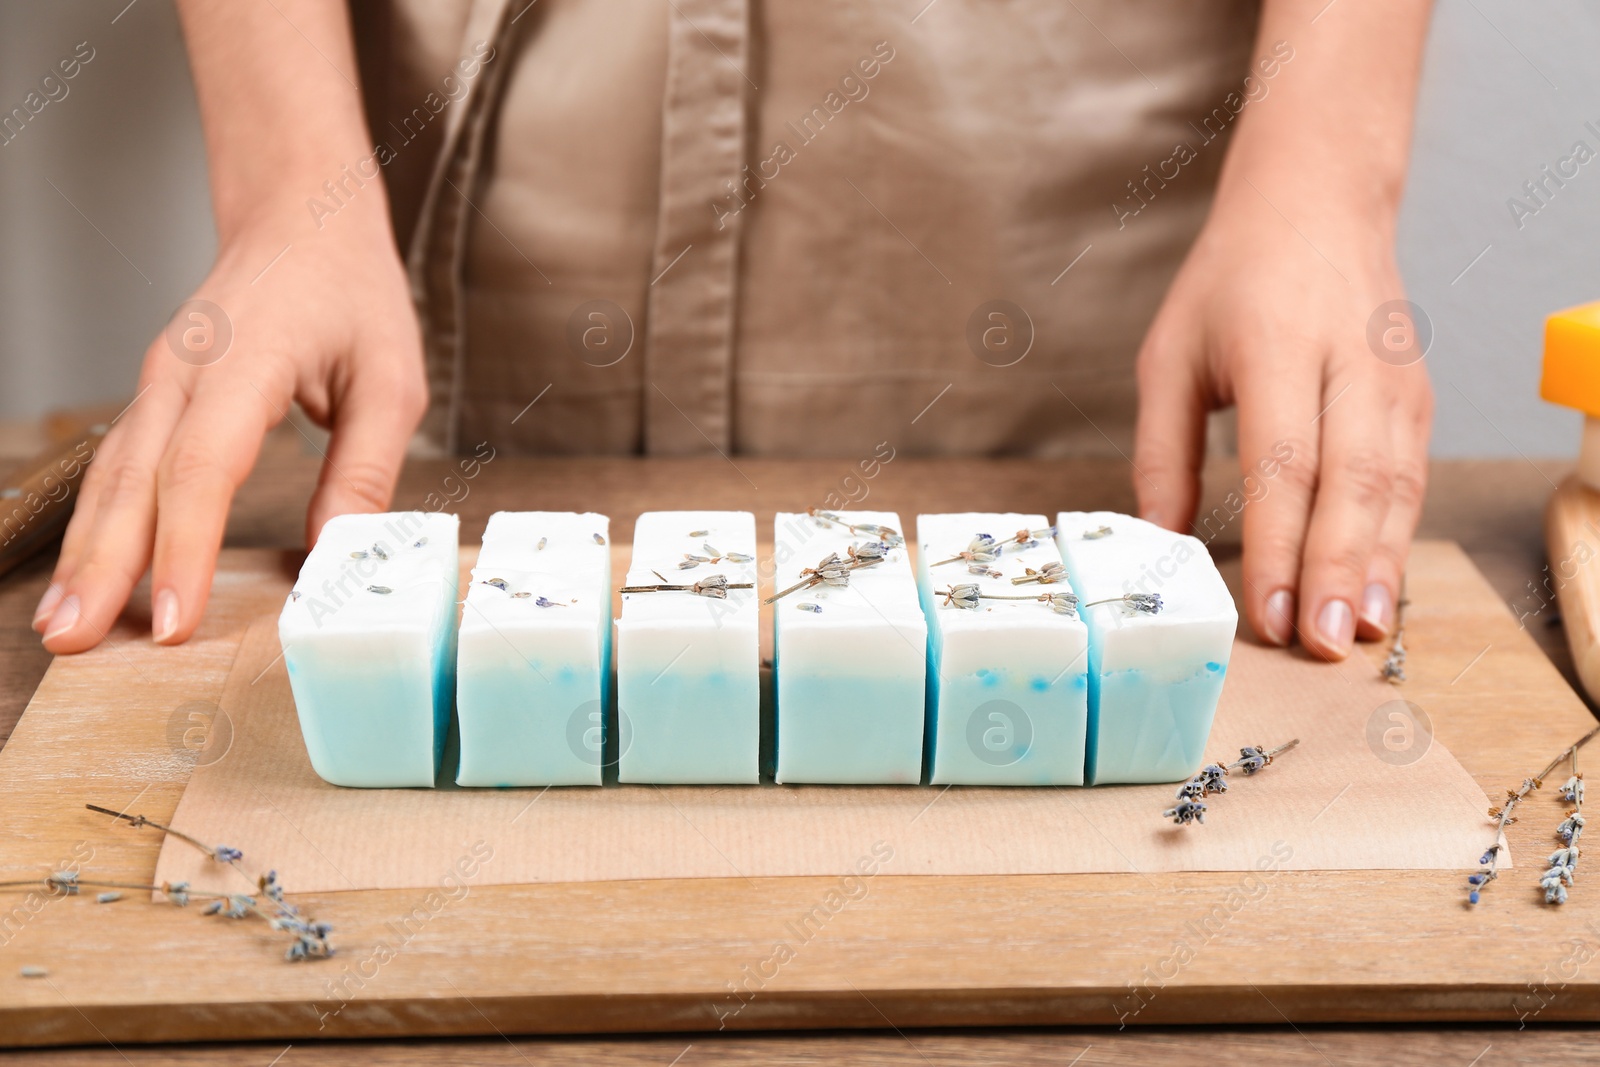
<point x="851" y="653"/>
<point x="1007" y="654"/>
<point x="688" y="690"/>
<point x="534" y="664"/>
<point x="369" y="639"/>
<point x="1161" y="626"/>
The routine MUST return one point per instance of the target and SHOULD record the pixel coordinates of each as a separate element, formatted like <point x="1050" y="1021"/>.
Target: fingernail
<point x="65" y="618"/>
<point x="1152" y="516"/>
<point x="47" y="607"/>
<point x="1375" y="606"/>
<point x="1280" y="617"/>
<point x="164" y="616"/>
<point x="1336" y="626"/>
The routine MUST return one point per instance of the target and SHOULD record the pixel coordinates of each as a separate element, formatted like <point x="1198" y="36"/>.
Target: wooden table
<point x="1491" y="508"/>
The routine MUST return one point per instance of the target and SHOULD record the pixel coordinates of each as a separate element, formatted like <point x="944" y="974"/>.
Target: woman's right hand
<point x="294" y="312"/>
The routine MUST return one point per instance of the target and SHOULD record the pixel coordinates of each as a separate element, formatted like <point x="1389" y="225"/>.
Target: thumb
<point x="372" y="424"/>
<point x="1169" y="437"/>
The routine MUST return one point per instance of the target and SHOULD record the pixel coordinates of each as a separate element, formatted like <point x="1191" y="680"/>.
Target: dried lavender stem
<point x="1271" y="753"/>
<point x="997" y="596"/>
<point x="814" y="580"/>
<point x="1191" y="807"/>
<point x="804" y="583"/>
<point x="1502" y="816"/>
<point x="665" y="587"/>
<point x="140" y="820"/>
<point x="1393" y="670"/>
<point x="49" y="882"/>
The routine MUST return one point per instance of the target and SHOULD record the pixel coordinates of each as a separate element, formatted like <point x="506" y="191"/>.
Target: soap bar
<point x="851" y="660"/>
<point x="369" y="638"/>
<point x="1154" y="678"/>
<point x="1008" y="678"/>
<point x="688" y="688"/>
<point x="534" y="664"/>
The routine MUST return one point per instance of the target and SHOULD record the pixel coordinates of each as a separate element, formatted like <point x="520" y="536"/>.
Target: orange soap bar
<point x="1572" y="359"/>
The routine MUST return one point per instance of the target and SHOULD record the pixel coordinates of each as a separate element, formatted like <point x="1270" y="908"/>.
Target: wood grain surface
<point x="1331" y="946"/>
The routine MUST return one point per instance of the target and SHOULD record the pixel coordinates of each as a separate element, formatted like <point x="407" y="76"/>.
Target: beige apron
<point x="795" y="227"/>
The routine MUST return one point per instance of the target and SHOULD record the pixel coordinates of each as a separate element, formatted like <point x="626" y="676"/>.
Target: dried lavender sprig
<point x="887" y="534"/>
<point x="967" y="594"/>
<point x="1564" y="860"/>
<point x="220" y="853"/>
<point x="981" y="549"/>
<point x="1393" y="670"/>
<point x="1213" y="778"/>
<point x="715" y="585"/>
<point x="832" y="570"/>
<point x="691" y="560"/>
<point x="1048" y="574"/>
<point x="1149" y="603"/>
<point x="1502" y="817"/>
<point x="67" y="883"/>
<point x="311" y="938"/>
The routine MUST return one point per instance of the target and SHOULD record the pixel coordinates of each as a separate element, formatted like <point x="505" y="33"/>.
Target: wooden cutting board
<point x="1107" y="949"/>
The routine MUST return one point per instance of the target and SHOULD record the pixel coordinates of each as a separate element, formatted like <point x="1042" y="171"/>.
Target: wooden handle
<point x="36" y="499"/>
<point x="1572" y="539"/>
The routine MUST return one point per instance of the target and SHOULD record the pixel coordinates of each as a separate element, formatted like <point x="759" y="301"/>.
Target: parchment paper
<point x="1342" y="800"/>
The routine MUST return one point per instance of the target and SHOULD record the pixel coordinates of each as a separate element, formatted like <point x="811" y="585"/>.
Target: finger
<point x="107" y="546"/>
<point x="372" y="424"/>
<point x="81" y="525"/>
<point x="1356" y="477"/>
<point x="211" y="453"/>
<point x="1170" y="435"/>
<point x="1278" y="442"/>
<point x="1382" y="593"/>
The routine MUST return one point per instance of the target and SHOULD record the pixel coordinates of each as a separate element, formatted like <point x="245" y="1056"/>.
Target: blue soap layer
<point x="543" y="725"/>
<point x="994" y="728"/>
<point x="681" y="728"/>
<point x="849" y="730"/>
<point x="374" y="724"/>
<point x="1157" y="730"/>
<point x="997" y="727"/>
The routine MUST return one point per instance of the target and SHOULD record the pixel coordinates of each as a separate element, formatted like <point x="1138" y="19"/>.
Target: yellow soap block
<point x="1572" y="359"/>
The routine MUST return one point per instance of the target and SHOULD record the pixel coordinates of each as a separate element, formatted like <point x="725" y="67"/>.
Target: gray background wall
<point x="105" y="226"/>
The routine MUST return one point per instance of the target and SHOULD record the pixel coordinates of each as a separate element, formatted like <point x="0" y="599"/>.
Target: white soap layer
<point x="688" y="689"/>
<point x="535" y="646"/>
<point x="852" y="674"/>
<point x="369" y="641"/>
<point x="1155" y="678"/>
<point x="1009" y="679"/>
